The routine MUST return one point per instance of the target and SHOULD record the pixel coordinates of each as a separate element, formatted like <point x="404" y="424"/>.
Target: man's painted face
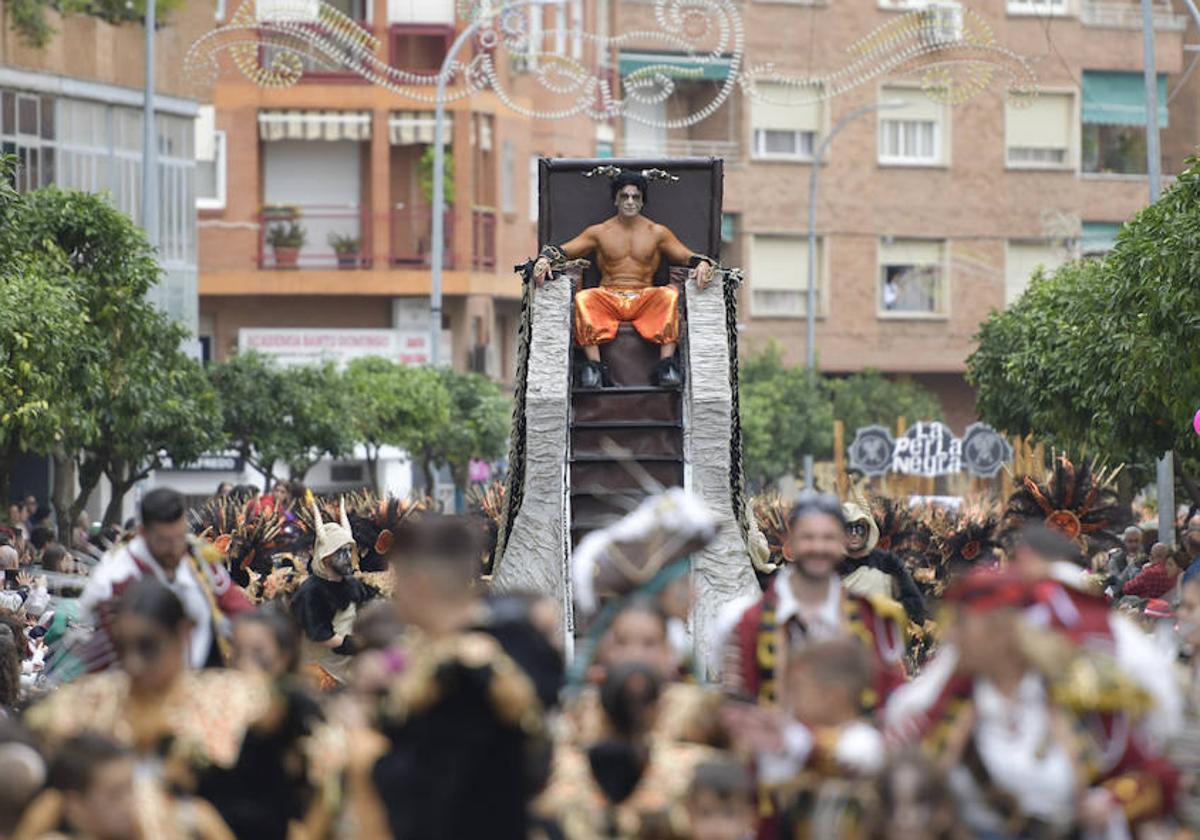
<point x="342" y="561"/>
<point x="856" y="535"/>
<point x="629" y="201"/>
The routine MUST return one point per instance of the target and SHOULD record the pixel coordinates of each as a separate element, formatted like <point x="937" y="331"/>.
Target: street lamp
<point x="810" y="309"/>
<point x="439" y="170"/>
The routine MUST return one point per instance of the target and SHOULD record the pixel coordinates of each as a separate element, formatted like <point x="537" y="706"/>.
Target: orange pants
<point x="653" y="311"/>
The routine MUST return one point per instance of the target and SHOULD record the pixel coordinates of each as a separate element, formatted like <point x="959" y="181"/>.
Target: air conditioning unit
<point x="942" y="24"/>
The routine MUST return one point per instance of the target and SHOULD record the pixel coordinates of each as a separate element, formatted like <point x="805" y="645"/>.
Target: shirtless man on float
<point x="629" y="249"/>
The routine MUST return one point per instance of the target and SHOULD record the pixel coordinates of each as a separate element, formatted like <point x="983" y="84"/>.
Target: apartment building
<point x="929" y="215"/>
<point x="349" y="163"/>
<point x="71" y="111"/>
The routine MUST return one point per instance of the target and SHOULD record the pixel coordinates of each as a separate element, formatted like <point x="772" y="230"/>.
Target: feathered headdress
<point x="243" y="534"/>
<point x="1077" y="501"/>
<point x="373" y="521"/>
<point x="771" y="513"/>
<point x="488" y="504"/>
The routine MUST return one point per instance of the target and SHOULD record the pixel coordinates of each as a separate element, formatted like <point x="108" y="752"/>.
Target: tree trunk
<point x="63" y="497"/>
<point x="373" y="467"/>
<point x="121" y="481"/>
<point x="8" y="463"/>
<point x="1125" y="489"/>
<point x="426" y="472"/>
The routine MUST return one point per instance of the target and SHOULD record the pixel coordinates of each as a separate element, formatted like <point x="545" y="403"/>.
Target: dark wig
<point x="626" y="177"/>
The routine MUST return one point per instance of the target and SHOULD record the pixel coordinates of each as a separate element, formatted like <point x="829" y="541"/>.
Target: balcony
<point x="412" y="237"/>
<point x="1127" y="14"/>
<point x="314" y="236"/>
<point x="483" y="239"/>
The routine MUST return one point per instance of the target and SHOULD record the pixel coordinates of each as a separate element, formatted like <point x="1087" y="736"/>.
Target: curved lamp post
<point x="810" y="308"/>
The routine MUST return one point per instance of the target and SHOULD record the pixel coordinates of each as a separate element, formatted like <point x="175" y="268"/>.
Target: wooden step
<point x="626" y="404"/>
<point x="592" y="476"/>
<point x="662" y="442"/>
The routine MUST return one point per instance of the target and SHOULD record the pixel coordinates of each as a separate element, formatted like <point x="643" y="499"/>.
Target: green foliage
<point x="294" y="416"/>
<point x="868" y="398"/>
<point x="127" y="395"/>
<point x="29" y="17"/>
<point x="477" y="428"/>
<point x="395" y="404"/>
<point x="1101" y="353"/>
<point x="425" y="176"/>
<point x="287" y="235"/>
<point x="344" y="243"/>
<point x="784" y="416"/>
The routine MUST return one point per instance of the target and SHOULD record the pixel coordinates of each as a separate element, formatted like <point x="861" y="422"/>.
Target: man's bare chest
<point x="638" y="245"/>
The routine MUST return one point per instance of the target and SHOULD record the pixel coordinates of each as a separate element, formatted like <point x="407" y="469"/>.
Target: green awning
<point x="683" y="67"/>
<point x="1112" y="98"/>
<point x="1099" y="237"/>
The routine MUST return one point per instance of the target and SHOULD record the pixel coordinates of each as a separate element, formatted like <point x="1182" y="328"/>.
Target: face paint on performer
<point x="629" y="202"/>
<point x="342" y="561"/>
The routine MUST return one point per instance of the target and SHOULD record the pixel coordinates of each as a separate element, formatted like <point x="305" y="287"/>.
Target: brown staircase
<point x="621" y="434"/>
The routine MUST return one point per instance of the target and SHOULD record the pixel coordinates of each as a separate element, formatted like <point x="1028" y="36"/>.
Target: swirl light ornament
<point x="272" y="41"/>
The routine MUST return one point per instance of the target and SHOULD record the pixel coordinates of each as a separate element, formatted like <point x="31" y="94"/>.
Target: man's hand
<point x="703" y="274"/>
<point x="541" y="268"/>
<point x="24" y="578"/>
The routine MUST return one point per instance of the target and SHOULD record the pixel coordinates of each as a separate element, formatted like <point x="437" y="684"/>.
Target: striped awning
<point x="314" y="125"/>
<point x="415" y="128"/>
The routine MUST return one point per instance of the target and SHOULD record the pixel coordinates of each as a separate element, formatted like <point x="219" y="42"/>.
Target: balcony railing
<point x="322" y="226"/>
<point x="483" y="238"/>
<point x="412" y="237"/>
<point x="1127" y="14"/>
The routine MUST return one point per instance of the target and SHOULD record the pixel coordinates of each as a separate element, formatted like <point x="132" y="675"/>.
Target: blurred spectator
<point x="1157" y="578"/>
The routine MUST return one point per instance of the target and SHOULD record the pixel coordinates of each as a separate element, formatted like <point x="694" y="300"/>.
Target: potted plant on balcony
<point x="286" y="238"/>
<point x="348" y="249"/>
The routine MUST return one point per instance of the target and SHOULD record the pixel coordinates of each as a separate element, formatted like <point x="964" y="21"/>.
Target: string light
<point x="952" y="69"/>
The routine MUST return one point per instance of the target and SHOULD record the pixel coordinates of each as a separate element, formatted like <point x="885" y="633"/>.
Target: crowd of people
<point x="293" y="667"/>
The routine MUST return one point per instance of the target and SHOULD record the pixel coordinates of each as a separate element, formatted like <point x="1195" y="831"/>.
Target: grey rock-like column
<point x="535" y="556"/>
<point x="722" y="572"/>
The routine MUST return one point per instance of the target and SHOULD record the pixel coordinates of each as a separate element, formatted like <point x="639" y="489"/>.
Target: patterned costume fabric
<point x="653" y="311"/>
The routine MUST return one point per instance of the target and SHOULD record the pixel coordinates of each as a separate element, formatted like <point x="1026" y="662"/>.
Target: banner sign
<point x="310" y="345"/>
<point x="930" y="449"/>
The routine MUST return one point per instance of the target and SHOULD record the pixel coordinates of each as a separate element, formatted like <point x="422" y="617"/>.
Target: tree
<point x="868" y="398"/>
<point x="129" y="394"/>
<point x="295" y="416"/>
<point x="1099" y="354"/>
<point x="477" y="428"/>
<point x="784" y="416"/>
<point x="394" y="404"/>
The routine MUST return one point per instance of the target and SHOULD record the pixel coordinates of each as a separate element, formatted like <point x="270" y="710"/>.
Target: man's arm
<point x="581" y="246"/>
<point x="680" y="254"/>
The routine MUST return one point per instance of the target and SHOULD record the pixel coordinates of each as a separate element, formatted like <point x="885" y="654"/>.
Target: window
<point x="27" y="131"/>
<point x="533" y="187"/>
<point x="1047" y="8"/>
<point x="508" y="177"/>
<point x="911" y="134"/>
<point x="485" y="160"/>
<point x="1024" y="258"/>
<point x="645" y="131"/>
<point x="421" y="11"/>
<point x="786" y="121"/>
<point x="779" y="276"/>
<point x="1113" y="135"/>
<point x="1038" y="135"/>
<point x="912" y="277"/>
<point x="1099" y="237"/>
<point x="210" y="161"/>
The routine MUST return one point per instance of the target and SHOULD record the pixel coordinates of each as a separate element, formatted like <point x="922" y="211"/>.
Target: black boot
<point x="591" y="376"/>
<point x="667" y="374"/>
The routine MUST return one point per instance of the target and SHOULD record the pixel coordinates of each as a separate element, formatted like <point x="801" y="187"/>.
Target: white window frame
<point x="756" y="312"/>
<point x="220" y="166"/>
<point x="938" y="158"/>
<point x="1039" y="8"/>
<point x="903" y="5"/>
<point x="911" y="315"/>
<point x="1074" y="160"/>
<point x="758" y="149"/>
